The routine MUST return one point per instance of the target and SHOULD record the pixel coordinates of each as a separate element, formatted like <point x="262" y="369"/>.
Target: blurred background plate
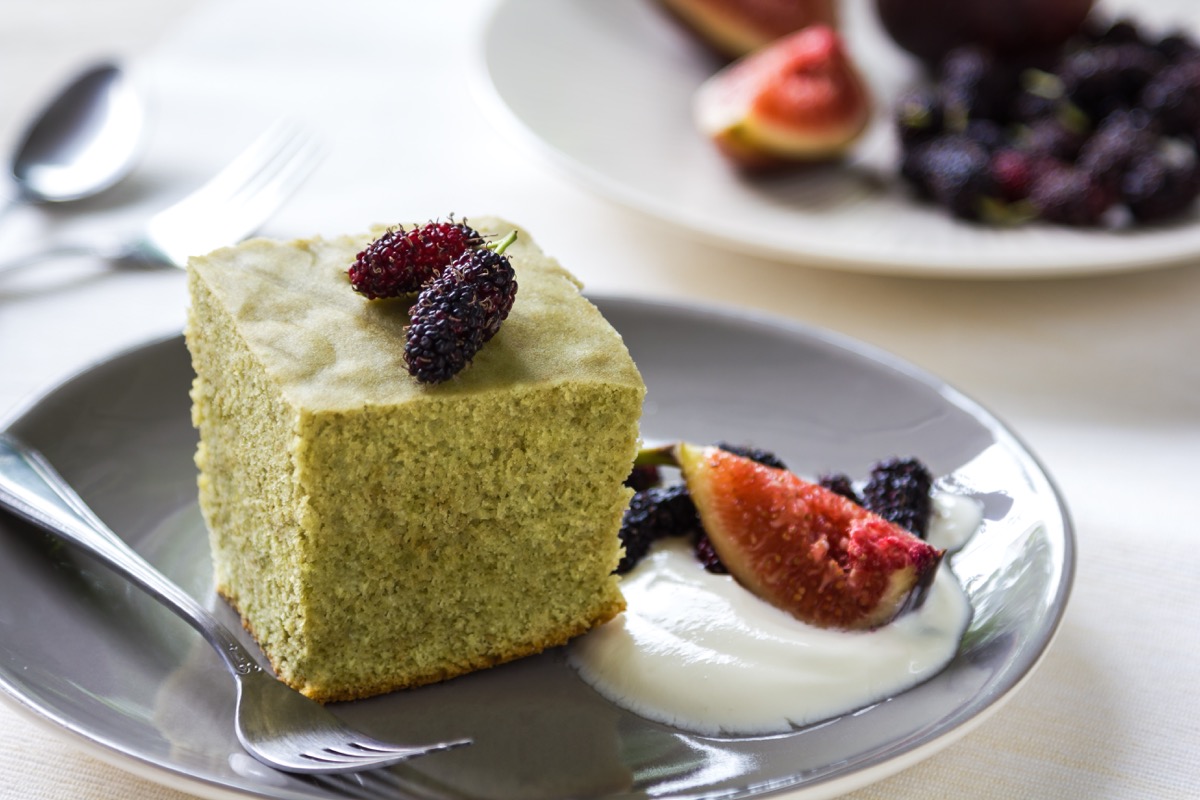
<point x="604" y="89"/>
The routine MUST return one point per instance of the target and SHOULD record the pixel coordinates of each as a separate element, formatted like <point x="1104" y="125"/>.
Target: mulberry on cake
<point x="376" y="533"/>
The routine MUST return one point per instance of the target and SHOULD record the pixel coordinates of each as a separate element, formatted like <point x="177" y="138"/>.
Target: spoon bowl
<point x="84" y="141"/>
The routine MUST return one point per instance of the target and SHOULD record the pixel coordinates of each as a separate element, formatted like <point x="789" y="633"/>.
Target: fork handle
<point x="58" y="251"/>
<point x="136" y="255"/>
<point x="32" y="489"/>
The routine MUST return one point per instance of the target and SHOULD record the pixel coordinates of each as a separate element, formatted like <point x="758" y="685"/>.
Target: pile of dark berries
<point x="1102" y="131"/>
<point x="656" y="513"/>
<point x="465" y="288"/>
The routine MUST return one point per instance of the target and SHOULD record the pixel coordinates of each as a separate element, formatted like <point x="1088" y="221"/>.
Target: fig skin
<point x="931" y="28"/>
<point x="733" y="28"/>
<point x="799" y="99"/>
<point x="803" y="548"/>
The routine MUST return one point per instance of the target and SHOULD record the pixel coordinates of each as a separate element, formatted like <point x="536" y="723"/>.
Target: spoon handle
<point x="33" y="490"/>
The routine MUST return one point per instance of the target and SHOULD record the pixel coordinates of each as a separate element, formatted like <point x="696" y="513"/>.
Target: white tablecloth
<point x="1099" y="375"/>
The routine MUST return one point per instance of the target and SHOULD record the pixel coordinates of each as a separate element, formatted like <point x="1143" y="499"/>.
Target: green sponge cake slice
<point x="376" y="533"/>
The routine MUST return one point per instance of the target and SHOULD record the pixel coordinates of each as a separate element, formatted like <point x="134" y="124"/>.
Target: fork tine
<point x="234" y="175"/>
<point x="247" y="209"/>
<point x="240" y="198"/>
<point x="358" y="757"/>
<point x="382" y="752"/>
<point x="355" y="761"/>
<point x="369" y="745"/>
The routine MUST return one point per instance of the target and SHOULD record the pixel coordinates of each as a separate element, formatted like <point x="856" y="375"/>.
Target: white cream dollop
<point x="697" y="651"/>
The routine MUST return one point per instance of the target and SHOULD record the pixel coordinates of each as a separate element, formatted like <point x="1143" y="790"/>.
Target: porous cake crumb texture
<point x="376" y="534"/>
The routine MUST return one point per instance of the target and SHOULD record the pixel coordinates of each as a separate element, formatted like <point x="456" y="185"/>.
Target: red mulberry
<point x="402" y="261"/>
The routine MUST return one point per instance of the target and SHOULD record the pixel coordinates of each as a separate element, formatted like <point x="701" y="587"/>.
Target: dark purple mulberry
<point x="918" y="115"/>
<point x="654" y="514"/>
<point x="987" y="134"/>
<point x="953" y="170"/>
<point x="458" y="312"/>
<point x="402" y="261"/>
<point x="1172" y="98"/>
<point x="706" y="554"/>
<point x="1118" y="31"/>
<point x="1012" y="171"/>
<point x="973" y="85"/>
<point x="1121" y="138"/>
<point x="643" y="476"/>
<point x="1104" y="78"/>
<point x="764" y="457"/>
<point x="1050" y="137"/>
<point x="840" y="483"/>
<point x="898" y="490"/>
<point x="1039" y="94"/>
<point x="1176" y="47"/>
<point x="1157" y="188"/>
<point x="1069" y="196"/>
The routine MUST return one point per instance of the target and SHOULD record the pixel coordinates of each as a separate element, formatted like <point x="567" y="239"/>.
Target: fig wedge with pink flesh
<point x="824" y="559"/>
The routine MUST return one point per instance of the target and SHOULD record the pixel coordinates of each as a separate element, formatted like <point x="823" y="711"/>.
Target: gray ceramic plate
<point x="83" y="651"/>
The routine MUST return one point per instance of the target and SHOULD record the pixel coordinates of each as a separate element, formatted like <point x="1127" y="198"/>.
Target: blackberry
<point x="764" y="457"/>
<point x="1121" y="137"/>
<point x="643" y="476"/>
<point x="1177" y="47"/>
<point x="1051" y="137"/>
<point x="898" y="490"/>
<point x="402" y="261"/>
<point x="918" y="115"/>
<point x="655" y="514"/>
<point x="1172" y="98"/>
<point x="914" y="169"/>
<point x="458" y="312"/>
<point x="987" y="134"/>
<point x="1156" y="187"/>
<point x="973" y="85"/>
<point x="1107" y="77"/>
<point x="1069" y="196"/>
<point x="706" y="554"/>
<point x="1012" y="171"/>
<point x="840" y="483"/>
<point x="953" y="169"/>
<point x="1039" y="94"/>
<point x="1119" y="31"/>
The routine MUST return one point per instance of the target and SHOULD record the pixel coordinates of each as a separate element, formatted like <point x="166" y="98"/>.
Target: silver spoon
<point x="83" y="142"/>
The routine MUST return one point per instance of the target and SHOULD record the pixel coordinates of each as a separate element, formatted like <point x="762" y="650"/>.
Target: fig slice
<point x="797" y="99"/>
<point x="734" y="28"/>
<point x="824" y="559"/>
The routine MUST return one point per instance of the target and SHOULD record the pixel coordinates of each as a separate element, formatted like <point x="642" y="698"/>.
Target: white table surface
<point x="1099" y="375"/>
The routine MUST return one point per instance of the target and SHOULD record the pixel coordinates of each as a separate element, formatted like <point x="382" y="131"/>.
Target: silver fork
<point x="277" y="725"/>
<point x="233" y="204"/>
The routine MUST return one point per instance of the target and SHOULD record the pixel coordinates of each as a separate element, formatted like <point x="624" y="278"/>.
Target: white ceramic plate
<point x="604" y="89"/>
<point x="87" y="654"/>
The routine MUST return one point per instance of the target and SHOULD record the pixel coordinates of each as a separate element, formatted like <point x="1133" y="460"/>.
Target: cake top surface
<point x="330" y="349"/>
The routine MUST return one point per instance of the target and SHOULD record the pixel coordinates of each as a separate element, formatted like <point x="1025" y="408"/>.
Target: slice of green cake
<point x="376" y="533"/>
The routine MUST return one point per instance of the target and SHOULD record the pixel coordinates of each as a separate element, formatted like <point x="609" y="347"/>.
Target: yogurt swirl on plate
<point x="697" y="651"/>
